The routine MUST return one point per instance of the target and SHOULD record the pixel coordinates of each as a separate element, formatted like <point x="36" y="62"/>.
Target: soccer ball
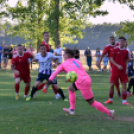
<point x="71" y="76"/>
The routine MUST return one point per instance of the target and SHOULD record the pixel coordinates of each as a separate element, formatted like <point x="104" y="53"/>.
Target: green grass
<point x="45" y="115"/>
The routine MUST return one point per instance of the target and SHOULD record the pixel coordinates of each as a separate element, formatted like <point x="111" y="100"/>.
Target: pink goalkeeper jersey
<point x="71" y="65"/>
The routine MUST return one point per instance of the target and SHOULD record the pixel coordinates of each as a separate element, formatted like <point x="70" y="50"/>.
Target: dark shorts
<point x="130" y="71"/>
<point x="41" y="77"/>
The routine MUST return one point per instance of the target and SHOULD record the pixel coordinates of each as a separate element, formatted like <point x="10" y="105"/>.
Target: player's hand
<point x="16" y="72"/>
<point x="120" y="67"/>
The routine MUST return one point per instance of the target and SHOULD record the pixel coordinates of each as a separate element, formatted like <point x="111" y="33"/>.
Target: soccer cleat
<point x="28" y="98"/>
<point x="112" y="113"/>
<point x="57" y="96"/>
<point x="65" y="99"/>
<point x="108" y="102"/>
<point x="16" y="97"/>
<point x="44" y="90"/>
<point x="126" y="103"/>
<point x="72" y="112"/>
<point x="129" y="94"/>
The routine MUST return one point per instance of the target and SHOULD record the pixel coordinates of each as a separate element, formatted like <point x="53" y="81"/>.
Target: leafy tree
<point x="64" y="19"/>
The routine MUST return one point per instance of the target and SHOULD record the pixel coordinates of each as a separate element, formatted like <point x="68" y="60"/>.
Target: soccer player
<point x="46" y="37"/>
<point x="119" y="58"/>
<point x="20" y="66"/>
<point x="108" y="49"/>
<point x="45" y="70"/>
<point x="83" y="83"/>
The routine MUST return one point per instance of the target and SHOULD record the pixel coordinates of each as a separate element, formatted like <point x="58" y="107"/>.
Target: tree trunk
<point x="38" y="45"/>
<point x="57" y="32"/>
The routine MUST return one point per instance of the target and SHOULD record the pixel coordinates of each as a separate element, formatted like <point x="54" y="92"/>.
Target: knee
<point x="90" y="101"/>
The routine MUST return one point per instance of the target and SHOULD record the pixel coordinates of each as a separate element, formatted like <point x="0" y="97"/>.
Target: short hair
<point x="70" y="52"/>
<point x="45" y="32"/>
<point x="19" y="45"/>
<point x="42" y="46"/>
<point x="112" y="37"/>
<point x="123" y="38"/>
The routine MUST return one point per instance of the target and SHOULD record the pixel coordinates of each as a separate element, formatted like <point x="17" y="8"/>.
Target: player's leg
<point x="27" y="88"/>
<point x="16" y="86"/>
<point x="130" y="84"/>
<point x="117" y="85"/>
<point x="60" y="91"/>
<point x="72" y="99"/>
<point x="124" y="80"/>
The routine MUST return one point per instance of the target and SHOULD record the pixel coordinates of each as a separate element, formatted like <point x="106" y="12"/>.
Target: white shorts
<point x="60" y="59"/>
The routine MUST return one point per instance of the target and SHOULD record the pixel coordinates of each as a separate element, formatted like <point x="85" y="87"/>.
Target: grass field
<point x="44" y="114"/>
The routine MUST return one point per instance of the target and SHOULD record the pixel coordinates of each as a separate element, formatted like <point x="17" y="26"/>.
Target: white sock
<point x="123" y="101"/>
<point x="25" y="96"/>
<point x="111" y="99"/>
<point x="17" y="93"/>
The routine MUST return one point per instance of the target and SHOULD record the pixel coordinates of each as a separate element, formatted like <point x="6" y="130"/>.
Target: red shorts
<point x="25" y="77"/>
<point x="116" y="75"/>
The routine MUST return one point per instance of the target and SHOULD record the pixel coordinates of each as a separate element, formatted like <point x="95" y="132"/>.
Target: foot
<point x="129" y="94"/>
<point x="112" y="113"/>
<point x="72" y="112"/>
<point x="57" y="96"/>
<point x="44" y="90"/>
<point x="16" y="97"/>
<point x="108" y="102"/>
<point x="126" y="103"/>
<point x="65" y="99"/>
<point x="28" y="98"/>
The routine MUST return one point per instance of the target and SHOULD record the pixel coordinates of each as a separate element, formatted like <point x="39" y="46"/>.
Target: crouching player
<point x="119" y="58"/>
<point x="83" y="83"/>
<point x="45" y="70"/>
<point x="20" y="66"/>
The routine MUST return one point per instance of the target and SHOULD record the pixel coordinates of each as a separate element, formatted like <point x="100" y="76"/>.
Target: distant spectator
<point x="51" y="50"/>
<point x="105" y="61"/>
<point x="30" y="50"/>
<point x="88" y="54"/>
<point x="58" y="52"/>
<point x="98" y="55"/>
<point x="10" y="52"/>
<point x="14" y="51"/>
<point x="24" y="48"/>
<point x="5" y="56"/>
<point x="77" y="53"/>
<point x="1" y="48"/>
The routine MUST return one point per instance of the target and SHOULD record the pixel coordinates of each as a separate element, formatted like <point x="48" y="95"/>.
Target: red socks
<point x="16" y="86"/>
<point x="26" y="90"/>
<point x="55" y="91"/>
<point x="40" y="86"/>
<point x="111" y="94"/>
<point x="124" y="95"/>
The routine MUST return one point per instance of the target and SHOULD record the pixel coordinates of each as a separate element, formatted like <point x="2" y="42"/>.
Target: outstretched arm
<point x="58" y="70"/>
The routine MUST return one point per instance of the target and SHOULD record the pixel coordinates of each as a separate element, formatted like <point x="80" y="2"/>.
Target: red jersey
<point x="108" y="49"/>
<point x="120" y="56"/>
<point x="21" y="63"/>
<point x="47" y="46"/>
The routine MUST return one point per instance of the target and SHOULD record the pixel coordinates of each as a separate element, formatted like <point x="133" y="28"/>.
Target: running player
<point x="108" y="49"/>
<point x="46" y="37"/>
<point x="45" y="70"/>
<point x="20" y="66"/>
<point x="119" y="58"/>
<point x="83" y="84"/>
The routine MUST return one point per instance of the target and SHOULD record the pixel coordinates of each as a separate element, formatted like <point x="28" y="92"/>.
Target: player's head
<point x="68" y="53"/>
<point x="43" y="49"/>
<point x="46" y="36"/>
<point x="122" y="42"/>
<point x="112" y="40"/>
<point x="97" y="49"/>
<point x="20" y="49"/>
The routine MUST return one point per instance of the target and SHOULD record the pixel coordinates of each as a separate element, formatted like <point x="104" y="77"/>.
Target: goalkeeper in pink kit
<point x="83" y="83"/>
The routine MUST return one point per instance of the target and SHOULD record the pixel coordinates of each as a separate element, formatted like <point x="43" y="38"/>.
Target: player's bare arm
<point x="117" y="65"/>
<point x="15" y="71"/>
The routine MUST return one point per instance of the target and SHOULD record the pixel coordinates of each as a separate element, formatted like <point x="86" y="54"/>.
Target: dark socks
<point x="33" y="91"/>
<point x="131" y="82"/>
<point x="60" y="91"/>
